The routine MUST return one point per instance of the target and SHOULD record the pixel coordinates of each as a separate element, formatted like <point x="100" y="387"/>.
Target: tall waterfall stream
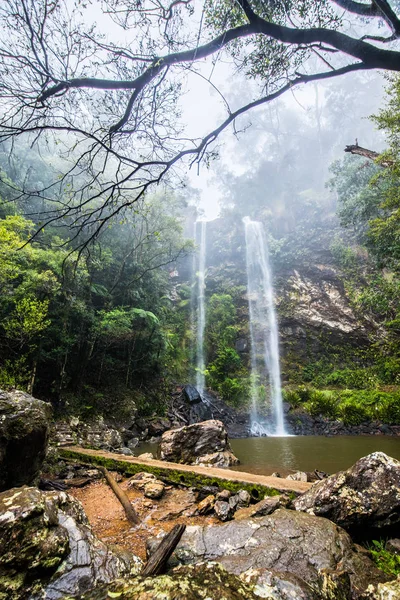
<point x="201" y="312"/>
<point x="263" y="332"/>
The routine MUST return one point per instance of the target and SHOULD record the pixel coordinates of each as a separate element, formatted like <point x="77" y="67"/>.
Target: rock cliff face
<point x="314" y="310"/>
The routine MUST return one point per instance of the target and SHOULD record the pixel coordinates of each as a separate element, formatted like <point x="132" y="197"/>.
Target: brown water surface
<point x="265" y="455"/>
<point x="306" y="453"/>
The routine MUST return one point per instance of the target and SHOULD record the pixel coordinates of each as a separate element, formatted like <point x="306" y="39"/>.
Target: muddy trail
<point x="109" y="521"/>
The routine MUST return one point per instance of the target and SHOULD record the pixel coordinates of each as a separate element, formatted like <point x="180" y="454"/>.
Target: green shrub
<point x="386" y="561"/>
<point x="292" y="397"/>
<point x="369" y="405"/>
<point x="234" y="391"/>
<point x="322" y="402"/>
<point x="352" y="414"/>
<point x="389" y="409"/>
<point x="388" y="370"/>
<point x="304" y="393"/>
<point x="358" y="379"/>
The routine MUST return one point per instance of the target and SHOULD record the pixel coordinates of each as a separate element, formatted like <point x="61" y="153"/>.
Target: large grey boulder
<point x="48" y="550"/>
<point x="191" y="444"/>
<point x="312" y="549"/>
<point x="365" y="496"/>
<point x="24" y="431"/>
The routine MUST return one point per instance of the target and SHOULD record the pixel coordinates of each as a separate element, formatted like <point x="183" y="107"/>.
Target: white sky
<point x="203" y="109"/>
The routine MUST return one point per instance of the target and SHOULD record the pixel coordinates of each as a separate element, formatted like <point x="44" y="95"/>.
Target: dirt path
<point x="109" y="522"/>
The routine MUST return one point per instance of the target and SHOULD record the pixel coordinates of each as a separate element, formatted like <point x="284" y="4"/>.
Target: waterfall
<point x="263" y="331"/>
<point x="201" y="312"/>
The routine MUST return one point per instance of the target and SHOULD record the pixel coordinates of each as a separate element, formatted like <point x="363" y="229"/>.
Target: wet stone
<point x="206" y="505"/>
<point x="154" y="489"/>
<point x="48" y="550"/>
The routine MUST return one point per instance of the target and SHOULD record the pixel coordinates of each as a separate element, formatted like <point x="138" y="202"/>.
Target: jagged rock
<point x="206" y="505"/>
<point x="286" y="541"/>
<point x="233" y="502"/>
<point x="191" y="394"/>
<point x="221" y="460"/>
<point x="383" y="591"/>
<point x="158" y="425"/>
<point x="298" y="476"/>
<point x="140" y="480"/>
<point x="48" y="550"/>
<point x="133" y="443"/>
<point x="224" y="495"/>
<point x="366" y="495"/>
<point x="223" y="510"/>
<point x="204" y="581"/>
<point x="96" y="434"/>
<point x="154" y="489"/>
<point x="206" y="490"/>
<point x="263" y="508"/>
<point x="286" y="586"/>
<point x="146" y="456"/>
<point x="244" y="498"/>
<point x="393" y="546"/>
<point x="192" y="443"/>
<point x="24" y="432"/>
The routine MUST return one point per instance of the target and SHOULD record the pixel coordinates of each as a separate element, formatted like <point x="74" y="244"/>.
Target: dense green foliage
<point x="226" y="372"/>
<point x="353" y="407"/>
<point x="369" y="205"/>
<point x="389" y="562"/>
<point x="103" y="327"/>
<point x="116" y="324"/>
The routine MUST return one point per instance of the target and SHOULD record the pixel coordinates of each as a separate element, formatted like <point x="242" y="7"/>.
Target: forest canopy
<point x="110" y="109"/>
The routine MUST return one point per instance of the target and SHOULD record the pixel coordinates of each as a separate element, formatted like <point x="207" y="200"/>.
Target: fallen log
<point x="157" y="561"/>
<point x="130" y="512"/>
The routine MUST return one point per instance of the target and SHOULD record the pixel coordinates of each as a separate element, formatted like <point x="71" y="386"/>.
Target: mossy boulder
<point x="313" y="549"/>
<point x="24" y="431"/>
<point x="366" y="496"/>
<point x="208" y="581"/>
<point x="48" y="550"/>
<point x="383" y="591"/>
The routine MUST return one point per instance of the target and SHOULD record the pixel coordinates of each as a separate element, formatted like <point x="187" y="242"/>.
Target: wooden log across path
<point x="190" y="475"/>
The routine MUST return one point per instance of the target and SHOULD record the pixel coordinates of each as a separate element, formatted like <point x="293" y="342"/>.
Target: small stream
<point x="264" y="455"/>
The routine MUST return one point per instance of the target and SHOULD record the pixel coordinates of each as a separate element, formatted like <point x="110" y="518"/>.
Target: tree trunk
<point x="32" y="378"/>
<point x="122" y="497"/>
<point x="370" y="154"/>
<point x="157" y="561"/>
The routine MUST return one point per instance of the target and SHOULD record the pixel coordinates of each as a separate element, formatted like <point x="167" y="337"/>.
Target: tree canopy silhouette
<point x="109" y="108"/>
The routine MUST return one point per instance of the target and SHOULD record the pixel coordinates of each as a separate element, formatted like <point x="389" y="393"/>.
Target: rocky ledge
<point x="48" y="550"/>
<point x="365" y="497"/>
<point x="309" y="553"/>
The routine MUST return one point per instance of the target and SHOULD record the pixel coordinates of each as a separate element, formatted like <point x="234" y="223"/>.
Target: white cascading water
<point x="263" y="331"/>
<point x="201" y="311"/>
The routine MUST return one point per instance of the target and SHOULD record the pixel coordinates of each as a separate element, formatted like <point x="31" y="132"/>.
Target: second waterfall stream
<point x="263" y="333"/>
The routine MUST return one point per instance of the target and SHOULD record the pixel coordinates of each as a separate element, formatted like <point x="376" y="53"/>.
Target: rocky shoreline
<point x="233" y="547"/>
<point x="186" y="408"/>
